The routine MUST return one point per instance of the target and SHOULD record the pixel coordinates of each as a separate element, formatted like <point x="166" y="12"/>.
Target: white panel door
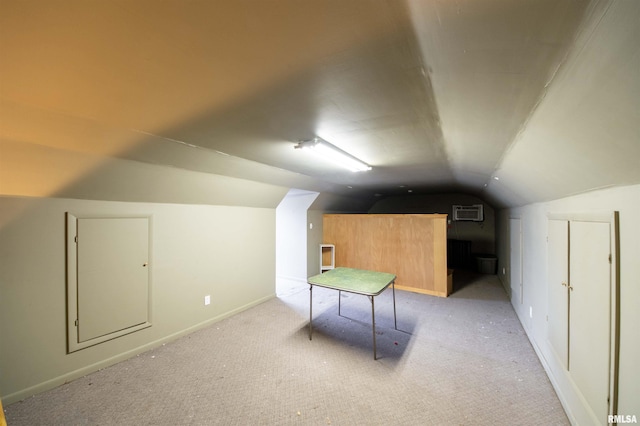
<point x="558" y="291"/>
<point x="590" y="313"/>
<point x="113" y="279"/>
<point x="515" y="226"/>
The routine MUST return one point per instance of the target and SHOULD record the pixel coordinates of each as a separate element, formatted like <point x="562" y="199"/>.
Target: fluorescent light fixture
<point x="334" y="154"/>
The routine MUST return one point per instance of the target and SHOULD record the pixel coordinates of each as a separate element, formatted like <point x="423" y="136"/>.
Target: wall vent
<point x="473" y="213"/>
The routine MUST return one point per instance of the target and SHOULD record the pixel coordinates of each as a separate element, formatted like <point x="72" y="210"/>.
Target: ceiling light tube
<point x="334" y="154"/>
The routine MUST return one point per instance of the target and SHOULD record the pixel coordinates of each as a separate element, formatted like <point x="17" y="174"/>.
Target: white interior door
<point x="558" y="291"/>
<point x="590" y="313"/>
<point x="516" y="260"/>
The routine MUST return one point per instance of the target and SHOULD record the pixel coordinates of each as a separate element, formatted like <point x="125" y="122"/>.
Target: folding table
<point x="357" y="281"/>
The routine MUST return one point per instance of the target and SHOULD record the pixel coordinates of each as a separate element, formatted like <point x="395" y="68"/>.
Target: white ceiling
<point x="543" y="95"/>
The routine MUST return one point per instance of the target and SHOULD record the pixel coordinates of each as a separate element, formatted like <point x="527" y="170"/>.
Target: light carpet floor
<point x="462" y="360"/>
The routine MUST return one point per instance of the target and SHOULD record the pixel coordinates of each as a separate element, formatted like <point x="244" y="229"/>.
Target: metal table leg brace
<point x="373" y="313"/>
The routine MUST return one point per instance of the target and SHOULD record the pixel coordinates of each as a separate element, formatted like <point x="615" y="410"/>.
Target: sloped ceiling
<point x="512" y="101"/>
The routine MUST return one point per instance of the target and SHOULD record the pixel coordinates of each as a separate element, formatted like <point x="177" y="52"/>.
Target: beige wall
<point x="210" y="235"/>
<point x="33" y="170"/>
<point x="196" y="250"/>
<point x="291" y="236"/>
<point x="625" y="200"/>
<point x="314" y="239"/>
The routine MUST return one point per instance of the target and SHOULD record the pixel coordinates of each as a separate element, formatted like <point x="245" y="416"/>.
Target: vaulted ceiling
<point x="513" y="101"/>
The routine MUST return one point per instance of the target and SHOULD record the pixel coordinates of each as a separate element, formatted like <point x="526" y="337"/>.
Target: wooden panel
<point x="413" y="247"/>
<point x="440" y="271"/>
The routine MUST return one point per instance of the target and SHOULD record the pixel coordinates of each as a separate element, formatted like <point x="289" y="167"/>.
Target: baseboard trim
<point x="92" y="368"/>
<point x="548" y="372"/>
<point x="290" y="278"/>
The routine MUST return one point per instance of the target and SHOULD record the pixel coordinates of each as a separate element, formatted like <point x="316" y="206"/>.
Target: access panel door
<point x="515" y="226"/>
<point x="109" y="294"/>
<point x="590" y="313"/>
<point x="558" y="270"/>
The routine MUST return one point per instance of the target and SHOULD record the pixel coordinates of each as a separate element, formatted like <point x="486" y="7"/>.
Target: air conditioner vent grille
<point x="473" y="213"/>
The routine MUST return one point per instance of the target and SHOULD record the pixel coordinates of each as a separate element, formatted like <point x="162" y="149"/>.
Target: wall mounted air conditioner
<point x="473" y="213"/>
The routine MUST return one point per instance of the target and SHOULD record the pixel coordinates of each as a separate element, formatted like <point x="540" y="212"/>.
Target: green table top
<point x="370" y="283"/>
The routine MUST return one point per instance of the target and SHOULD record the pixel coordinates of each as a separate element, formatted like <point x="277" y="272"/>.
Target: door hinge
<point x="75" y="323"/>
<point x="75" y="239"/>
<point x="610" y="259"/>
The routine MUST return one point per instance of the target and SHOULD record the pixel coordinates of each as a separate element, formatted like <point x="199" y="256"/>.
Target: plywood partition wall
<point x="411" y="246"/>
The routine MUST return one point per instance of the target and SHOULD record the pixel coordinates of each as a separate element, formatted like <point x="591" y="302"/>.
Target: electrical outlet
<point x="207" y="300"/>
